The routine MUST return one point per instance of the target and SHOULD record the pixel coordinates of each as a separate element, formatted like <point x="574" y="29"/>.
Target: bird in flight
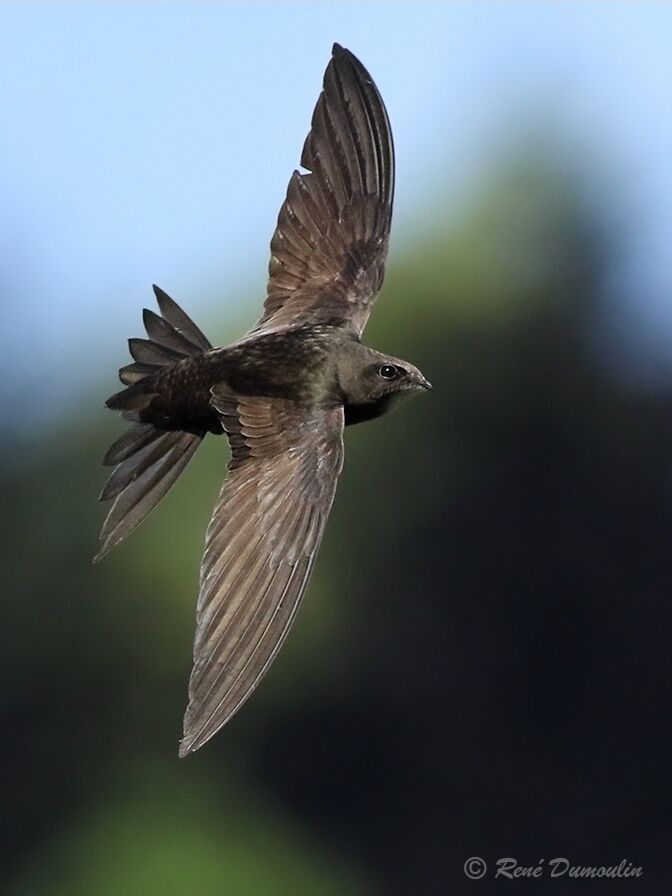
<point x="282" y="394"/>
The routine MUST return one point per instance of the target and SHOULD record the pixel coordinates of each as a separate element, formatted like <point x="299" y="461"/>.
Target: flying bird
<point x="282" y="394"/>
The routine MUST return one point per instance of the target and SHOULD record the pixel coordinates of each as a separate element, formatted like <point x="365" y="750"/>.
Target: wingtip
<point x="340" y="53"/>
<point x="105" y="547"/>
<point x="185" y="748"/>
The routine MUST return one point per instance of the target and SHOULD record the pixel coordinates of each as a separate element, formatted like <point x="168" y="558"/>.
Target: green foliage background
<point x="481" y="653"/>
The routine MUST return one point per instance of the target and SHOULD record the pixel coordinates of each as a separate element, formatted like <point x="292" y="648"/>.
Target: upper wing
<point x="260" y="547"/>
<point x="328" y="251"/>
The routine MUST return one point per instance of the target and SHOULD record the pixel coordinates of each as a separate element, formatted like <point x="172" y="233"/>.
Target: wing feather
<point x="329" y="247"/>
<point x="260" y="548"/>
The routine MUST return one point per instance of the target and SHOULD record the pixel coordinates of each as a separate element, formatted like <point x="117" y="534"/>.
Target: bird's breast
<point x="360" y="413"/>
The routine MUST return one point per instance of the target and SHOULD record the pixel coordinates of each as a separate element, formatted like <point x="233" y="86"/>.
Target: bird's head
<point x="391" y="376"/>
<point x="380" y="381"/>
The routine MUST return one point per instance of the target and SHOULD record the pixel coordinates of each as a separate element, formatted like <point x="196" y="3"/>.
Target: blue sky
<point x="153" y="143"/>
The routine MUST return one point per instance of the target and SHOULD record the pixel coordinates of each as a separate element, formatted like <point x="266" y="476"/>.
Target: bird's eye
<point x="388" y="371"/>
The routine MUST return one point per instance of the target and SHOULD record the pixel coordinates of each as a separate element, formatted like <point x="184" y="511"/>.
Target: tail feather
<point x="134" y="398"/>
<point x="135" y="438"/>
<point x="142" y="459"/>
<point x="144" y="491"/>
<point x="145" y="351"/>
<point x="162" y="332"/>
<point x="147" y="459"/>
<point x="175" y="316"/>
<point x="133" y="373"/>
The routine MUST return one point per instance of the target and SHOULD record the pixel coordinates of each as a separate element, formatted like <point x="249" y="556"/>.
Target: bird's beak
<point x="425" y="384"/>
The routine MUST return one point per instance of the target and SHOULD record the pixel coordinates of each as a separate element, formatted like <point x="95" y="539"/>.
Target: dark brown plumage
<point x="282" y="394"/>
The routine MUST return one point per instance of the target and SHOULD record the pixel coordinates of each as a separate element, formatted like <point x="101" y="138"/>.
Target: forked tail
<point x="147" y="459"/>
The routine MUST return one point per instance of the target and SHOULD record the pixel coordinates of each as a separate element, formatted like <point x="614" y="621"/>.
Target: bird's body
<point x="282" y="395"/>
<point x="306" y="364"/>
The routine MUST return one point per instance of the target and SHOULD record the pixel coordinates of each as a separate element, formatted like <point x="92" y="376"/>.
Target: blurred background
<point x="481" y="666"/>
